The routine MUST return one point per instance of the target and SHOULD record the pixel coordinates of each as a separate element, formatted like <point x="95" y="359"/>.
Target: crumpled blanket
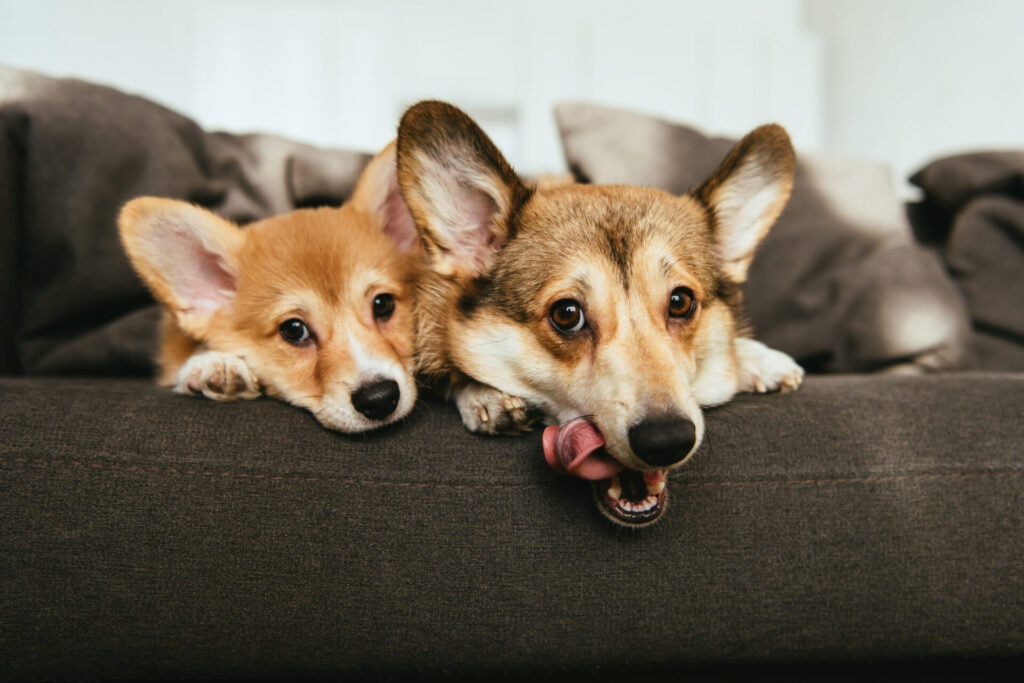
<point x="973" y="210"/>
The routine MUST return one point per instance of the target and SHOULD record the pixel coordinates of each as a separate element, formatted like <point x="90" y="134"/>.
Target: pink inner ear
<point x="476" y="242"/>
<point x="398" y="222"/>
<point x="207" y="282"/>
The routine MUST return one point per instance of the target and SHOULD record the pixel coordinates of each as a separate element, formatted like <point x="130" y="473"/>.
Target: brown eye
<point x="383" y="306"/>
<point x="566" y="316"/>
<point x="681" y="303"/>
<point x="295" y="332"/>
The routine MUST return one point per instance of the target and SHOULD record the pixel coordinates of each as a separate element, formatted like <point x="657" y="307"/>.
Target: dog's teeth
<point x="614" y="491"/>
<point x="656" y="487"/>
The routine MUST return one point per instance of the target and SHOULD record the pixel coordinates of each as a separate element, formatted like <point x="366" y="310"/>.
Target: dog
<point x="612" y="313"/>
<point x="313" y="307"/>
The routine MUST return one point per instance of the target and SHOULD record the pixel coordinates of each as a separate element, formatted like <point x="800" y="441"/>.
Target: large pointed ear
<point x="187" y="256"/>
<point x="746" y="195"/>
<point x="458" y="186"/>
<point x="377" y="194"/>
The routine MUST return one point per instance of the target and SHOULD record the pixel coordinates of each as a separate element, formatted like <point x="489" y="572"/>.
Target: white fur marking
<point x="762" y="369"/>
<point x="218" y="376"/>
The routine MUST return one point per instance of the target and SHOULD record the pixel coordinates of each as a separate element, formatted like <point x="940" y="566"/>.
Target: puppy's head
<point x="317" y="301"/>
<point x="613" y="309"/>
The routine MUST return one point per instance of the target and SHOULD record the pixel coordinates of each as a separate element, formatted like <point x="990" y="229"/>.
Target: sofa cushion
<point x="146" y="534"/>
<point x="838" y="283"/>
<point x="72" y="153"/>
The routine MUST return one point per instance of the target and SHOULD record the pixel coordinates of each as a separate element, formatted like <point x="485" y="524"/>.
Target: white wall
<point x="898" y="81"/>
<point x="340" y="73"/>
<point x="910" y="80"/>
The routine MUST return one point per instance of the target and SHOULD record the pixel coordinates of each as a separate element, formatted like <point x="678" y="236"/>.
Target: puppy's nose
<point x="377" y="399"/>
<point x="664" y="441"/>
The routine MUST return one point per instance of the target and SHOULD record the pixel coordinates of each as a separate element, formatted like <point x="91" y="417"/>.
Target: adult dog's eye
<point x="681" y="303"/>
<point x="566" y="316"/>
<point x="383" y="306"/>
<point x="295" y="331"/>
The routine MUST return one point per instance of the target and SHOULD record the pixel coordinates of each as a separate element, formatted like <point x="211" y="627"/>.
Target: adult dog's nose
<point x="378" y="399"/>
<point x="663" y="441"/>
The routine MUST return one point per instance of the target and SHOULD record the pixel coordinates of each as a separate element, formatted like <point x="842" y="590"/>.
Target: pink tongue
<point x="573" y="449"/>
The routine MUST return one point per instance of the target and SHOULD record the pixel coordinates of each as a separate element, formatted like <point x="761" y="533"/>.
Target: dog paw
<point x="216" y="375"/>
<point x="762" y="369"/>
<point x="486" y="410"/>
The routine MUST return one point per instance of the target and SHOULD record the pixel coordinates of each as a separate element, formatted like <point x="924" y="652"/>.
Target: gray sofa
<point x="870" y="523"/>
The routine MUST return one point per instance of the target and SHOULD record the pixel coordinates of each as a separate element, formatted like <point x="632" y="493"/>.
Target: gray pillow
<point x="72" y="153"/>
<point x="839" y="283"/>
<point x="975" y="208"/>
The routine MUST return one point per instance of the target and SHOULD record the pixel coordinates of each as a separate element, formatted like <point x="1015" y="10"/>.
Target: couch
<point x="868" y="524"/>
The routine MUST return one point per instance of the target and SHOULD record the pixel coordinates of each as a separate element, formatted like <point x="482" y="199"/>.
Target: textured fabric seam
<point x="100" y="466"/>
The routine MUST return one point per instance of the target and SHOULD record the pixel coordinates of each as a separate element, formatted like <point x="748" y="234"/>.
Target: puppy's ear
<point x="187" y="256"/>
<point x="746" y="195"/>
<point x="458" y="186"/>
<point x="377" y="194"/>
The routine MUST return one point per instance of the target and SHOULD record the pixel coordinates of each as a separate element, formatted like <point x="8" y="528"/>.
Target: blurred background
<point x="894" y="81"/>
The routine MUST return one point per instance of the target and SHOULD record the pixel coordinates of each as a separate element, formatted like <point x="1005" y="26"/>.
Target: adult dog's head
<point x="612" y="309"/>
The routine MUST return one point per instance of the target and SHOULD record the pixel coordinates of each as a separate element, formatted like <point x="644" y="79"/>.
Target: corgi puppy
<point x="313" y="307"/>
<point x="612" y="313"/>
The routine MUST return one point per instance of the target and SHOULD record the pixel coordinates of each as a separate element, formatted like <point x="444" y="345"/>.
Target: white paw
<point x="216" y="375"/>
<point x="486" y="410"/>
<point x="762" y="369"/>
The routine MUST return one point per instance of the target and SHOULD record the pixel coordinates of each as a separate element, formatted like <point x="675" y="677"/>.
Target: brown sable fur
<point x="503" y="253"/>
<point x="226" y="291"/>
<point x="433" y="132"/>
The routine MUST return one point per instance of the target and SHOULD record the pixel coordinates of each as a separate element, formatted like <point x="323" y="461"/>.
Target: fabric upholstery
<point x="871" y="518"/>
<point x="838" y="283"/>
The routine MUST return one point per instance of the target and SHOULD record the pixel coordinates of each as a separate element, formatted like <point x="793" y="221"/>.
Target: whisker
<point x="480" y="344"/>
<point x="705" y="446"/>
<point x="591" y="416"/>
<point x="718" y="418"/>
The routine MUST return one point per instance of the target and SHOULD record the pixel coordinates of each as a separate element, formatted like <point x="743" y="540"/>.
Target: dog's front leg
<point x="486" y="410"/>
<point x="762" y="369"/>
<point x="217" y="375"/>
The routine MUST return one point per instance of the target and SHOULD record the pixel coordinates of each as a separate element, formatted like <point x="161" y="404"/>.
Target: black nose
<point x="377" y="400"/>
<point x="664" y="441"/>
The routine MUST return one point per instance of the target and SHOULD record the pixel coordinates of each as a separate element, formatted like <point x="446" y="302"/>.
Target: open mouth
<point x="633" y="498"/>
<point x="628" y="497"/>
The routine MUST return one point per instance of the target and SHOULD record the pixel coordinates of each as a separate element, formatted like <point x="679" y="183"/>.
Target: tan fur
<point x="618" y="251"/>
<point x="323" y="266"/>
<point x="176" y="347"/>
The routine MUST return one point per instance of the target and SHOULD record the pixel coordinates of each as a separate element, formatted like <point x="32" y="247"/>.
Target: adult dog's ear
<point x="458" y="186"/>
<point x="746" y="195"/>
<point x="186" y="255"/>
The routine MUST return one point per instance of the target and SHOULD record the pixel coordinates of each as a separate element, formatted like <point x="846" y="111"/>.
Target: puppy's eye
<point x="566" y="316"/>
<point x="681" y="303"/>
<point x="294" y="331"/>
<point x="383" y="306"/>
